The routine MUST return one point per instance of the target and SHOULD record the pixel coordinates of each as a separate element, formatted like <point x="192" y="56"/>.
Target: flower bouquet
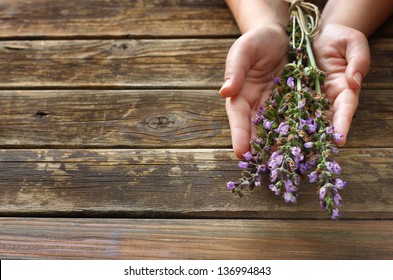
<point x="295" y="138"/>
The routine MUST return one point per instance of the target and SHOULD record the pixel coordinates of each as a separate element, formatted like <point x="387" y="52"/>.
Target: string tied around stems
<point x="308" y="17"/>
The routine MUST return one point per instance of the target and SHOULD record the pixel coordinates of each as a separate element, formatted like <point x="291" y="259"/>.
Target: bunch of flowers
<point x="295" y="139"/>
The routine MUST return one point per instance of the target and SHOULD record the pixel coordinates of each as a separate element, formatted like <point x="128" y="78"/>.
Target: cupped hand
<point x="252" y="62"/>
<point x="343" y="53"/>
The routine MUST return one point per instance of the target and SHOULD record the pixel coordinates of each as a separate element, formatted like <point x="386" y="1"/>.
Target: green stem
<point x="313" y="64"/>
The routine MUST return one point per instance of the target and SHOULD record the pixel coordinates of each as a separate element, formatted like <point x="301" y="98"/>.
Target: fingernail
<point x="358" y="78"/>
<point x="226" y="83"/>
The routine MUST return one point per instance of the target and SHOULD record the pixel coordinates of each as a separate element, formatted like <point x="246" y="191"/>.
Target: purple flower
<point x="298" y="156"/>
<point x="259" y="119"/>
<point x="309" y="145"/>
<point x="318" y="113"/>
<point x="276" y="80"/>
<point x="267" y="124"/>
<point x="273" y="175"/>
<point x="282" y="128"/>
<point x="333" y="167"/>
<point x="275" y="160"/>
<point x="231" y="185"/>
<point x="312" y="176"/>
<point x="303" y="168"/>
<point x="335" y="214"/>
<point x="329" y="129"/>
<point x="258" y="141"/>
<point x="289" y="197"/>
<point x="340" y="184"/>
<point x="302" y="103"/>
<point x="248" y="156"/>
<point x="295" y="151"/>
<point x="291" y="82"/>
<point x="243" y="164"/>
<point x="262" y="168"/>
<point x="322" y="193"/>
<point x="302" y="123"/>
<point x="289" y="186"/>
<point x="274" y="189"/>
<point x="337" y="199"/>
<point x="337" y="136"/>
<point x="311" y="127"/>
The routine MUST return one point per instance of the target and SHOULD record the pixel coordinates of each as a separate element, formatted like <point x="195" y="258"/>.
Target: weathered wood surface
<point x="194" y="239"/>
<point x="150" y="118"/>
<point x="138" y="118"/>
<point x="174" y="183"/>
<point x="120" y="18"/>
<point x="138" y="63"/>
<point x="97" y="97"/>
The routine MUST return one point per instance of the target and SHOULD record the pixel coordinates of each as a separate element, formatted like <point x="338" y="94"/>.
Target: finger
<point x="237" y="64"/>
<point x="358" y="58"/>
<point x="344" y="108"/>
<point x="238" y="112"/>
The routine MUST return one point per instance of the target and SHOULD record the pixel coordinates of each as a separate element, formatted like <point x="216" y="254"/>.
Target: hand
<point x="252" y="62"/>
<point x="343" y="53"/>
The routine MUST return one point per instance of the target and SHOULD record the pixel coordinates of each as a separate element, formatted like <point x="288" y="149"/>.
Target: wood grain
<point x="160" y="63"/>
<point x="150" y="118"/>
<point x="174" y="183"/>
<point x="194" y="239"/>
<point x="138" y="118"/>
<point x="123" y="19"/>
<point x="114" y="63"/>
<point x="115" y="18"/>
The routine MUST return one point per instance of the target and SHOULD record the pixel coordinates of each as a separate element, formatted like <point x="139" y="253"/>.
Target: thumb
<point x="237" y="65"/>
<point x="358" y="58"/>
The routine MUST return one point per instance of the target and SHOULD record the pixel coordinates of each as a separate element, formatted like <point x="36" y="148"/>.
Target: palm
<point x="259" y="56"/>
<point x="332" y="60"/>
<point x="342" y="53"/>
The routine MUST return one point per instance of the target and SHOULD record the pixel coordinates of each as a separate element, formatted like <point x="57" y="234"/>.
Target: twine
<point x="308" y="17"/>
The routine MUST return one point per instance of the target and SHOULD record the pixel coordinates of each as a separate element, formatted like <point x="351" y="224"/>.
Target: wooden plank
<point x="184" y="63"/>
<point x="372" y="125"/>
<point x="113" y="63"/>
<point x="115" y="18"/>
<point x="138" y="118"/>
<point x="175" y="183"/>
<point x="150" y="118"/>
<point x="194" y="239"/>
<point x="123" y="18"/>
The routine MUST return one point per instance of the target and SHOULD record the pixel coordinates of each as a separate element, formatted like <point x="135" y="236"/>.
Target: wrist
<point x="252" y="14"/>
<point x="365" y="15"/>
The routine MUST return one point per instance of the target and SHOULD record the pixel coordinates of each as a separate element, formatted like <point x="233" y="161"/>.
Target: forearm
<point x="250" y="14"/>
<point x="363" y="15"/>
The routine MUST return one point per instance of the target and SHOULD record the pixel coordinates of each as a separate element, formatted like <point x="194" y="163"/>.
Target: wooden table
<point x="115" y="143"/>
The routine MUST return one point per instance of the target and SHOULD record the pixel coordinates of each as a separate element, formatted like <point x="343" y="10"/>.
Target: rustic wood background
<point x="114" y="142"/>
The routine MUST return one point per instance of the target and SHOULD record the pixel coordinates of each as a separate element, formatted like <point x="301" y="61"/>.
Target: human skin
<point x="253" y="60"/>
<point x="341" y="50"/>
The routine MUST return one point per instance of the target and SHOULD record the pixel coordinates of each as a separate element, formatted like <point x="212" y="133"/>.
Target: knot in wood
<point x="41" y="114"/>
<point x="159" y="122"/>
